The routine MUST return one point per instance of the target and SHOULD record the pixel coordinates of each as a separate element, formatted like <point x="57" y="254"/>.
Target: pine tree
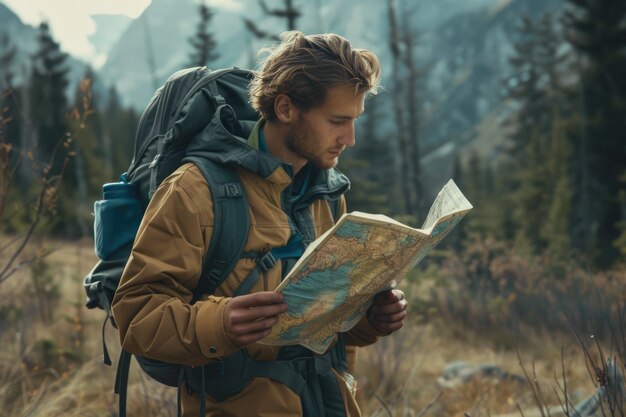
<point x="110" y="114"/>
<point x="532" y="195"/>
<point x="9" y="118"/>
<point x="474" y="178"/>
<point x="203" y="42"/>
<point x="49" y="121"/>
<point x="535" y="85"/>
<point x="596" y="30"/>
<point x="118" y="136"/>
<point x="9" y="128"/>
<point x="487" y="184"/>
<point x="7" y="58"/>
<point x="48" y="102"/>
<point x="503" y="201"/>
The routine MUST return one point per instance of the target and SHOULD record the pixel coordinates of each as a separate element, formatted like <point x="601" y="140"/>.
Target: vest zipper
<point x="265" y="280"/>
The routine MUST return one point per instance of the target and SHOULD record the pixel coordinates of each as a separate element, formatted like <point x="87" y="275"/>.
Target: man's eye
<point x="336" y="122"/>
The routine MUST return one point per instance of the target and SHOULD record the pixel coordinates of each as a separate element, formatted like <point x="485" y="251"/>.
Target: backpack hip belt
<point x="302" y="375"/>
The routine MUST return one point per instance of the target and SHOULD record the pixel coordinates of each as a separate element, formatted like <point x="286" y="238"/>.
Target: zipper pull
<point x="155" y="161"/>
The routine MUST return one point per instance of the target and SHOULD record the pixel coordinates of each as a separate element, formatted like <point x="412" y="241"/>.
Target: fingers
<point x="378" y="318"/>
<point x="388" y="328"/>
<point x="388" y="297"/>
<point x="248" y="314"/>
<point x="249" y="318"/>
<point x="252" y="307"/>
<point x="388" y="311"/>
<point x="387" y="323"/>
<point x="258" y="299"/>
<point x="397" y="314"/>
<point x="247" y="333"/>
<point x="255" y="326"/>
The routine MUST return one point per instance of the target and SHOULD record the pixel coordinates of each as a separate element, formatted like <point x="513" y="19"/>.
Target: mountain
<point x="156" y="44"/>
<point x="462" y="51"/>
<point x="468" y="56"/>
<point x="160" y="35"/>
<point x="109" y="28"/>
<point x="15" y="34"/>
<point x="23" y="38"/>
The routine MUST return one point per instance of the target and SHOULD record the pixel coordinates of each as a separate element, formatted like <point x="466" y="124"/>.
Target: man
<point x="310" y="91"/>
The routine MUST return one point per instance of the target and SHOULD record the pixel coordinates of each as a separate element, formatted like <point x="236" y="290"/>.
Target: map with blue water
<point x="331" y="287"/>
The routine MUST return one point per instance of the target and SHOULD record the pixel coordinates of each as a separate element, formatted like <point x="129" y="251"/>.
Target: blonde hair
<point x="305" y="67"/>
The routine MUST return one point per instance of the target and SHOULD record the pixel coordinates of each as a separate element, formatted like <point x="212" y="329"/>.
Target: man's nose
<point x="347" y="137"/>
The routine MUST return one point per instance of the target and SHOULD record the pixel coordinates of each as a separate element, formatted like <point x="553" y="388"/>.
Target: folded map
<point x="332" y="285"/>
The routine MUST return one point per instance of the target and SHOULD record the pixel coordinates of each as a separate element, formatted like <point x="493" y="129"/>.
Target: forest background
<point x="521" y="102"/>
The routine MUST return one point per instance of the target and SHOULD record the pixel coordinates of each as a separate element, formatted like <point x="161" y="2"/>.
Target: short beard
<point x="294" y="140"/>
<point x="298" y="143"/>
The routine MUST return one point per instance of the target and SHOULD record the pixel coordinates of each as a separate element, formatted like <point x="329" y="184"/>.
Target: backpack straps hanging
<point x="121" y="380"/>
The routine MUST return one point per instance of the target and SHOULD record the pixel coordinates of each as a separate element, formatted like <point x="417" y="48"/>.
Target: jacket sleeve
<point x="362" y="334"/>
<point x="151" y="306"/>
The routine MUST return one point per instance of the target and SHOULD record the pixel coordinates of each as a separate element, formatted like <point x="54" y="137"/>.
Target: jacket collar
<point x="222" y="140"/>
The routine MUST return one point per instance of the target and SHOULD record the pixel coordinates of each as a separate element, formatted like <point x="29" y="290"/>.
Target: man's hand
<point x="388" y="311"/>
<point x="249" y="318"/>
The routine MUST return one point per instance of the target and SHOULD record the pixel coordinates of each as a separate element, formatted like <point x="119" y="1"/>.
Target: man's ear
<point x="285" y="110"/>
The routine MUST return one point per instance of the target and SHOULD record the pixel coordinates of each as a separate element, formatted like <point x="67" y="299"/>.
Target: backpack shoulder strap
<point x="231" y="224"/>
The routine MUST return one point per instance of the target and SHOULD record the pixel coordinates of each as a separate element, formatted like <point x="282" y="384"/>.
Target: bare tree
<point x="289" y="13"/>
<point x="406" y="152"/>
<point x="405" y="81"/>
<point x="43" y="207"/>
<point x="413" y="74"/>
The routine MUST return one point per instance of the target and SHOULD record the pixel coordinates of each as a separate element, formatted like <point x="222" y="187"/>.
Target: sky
<point x="70" y="20"/>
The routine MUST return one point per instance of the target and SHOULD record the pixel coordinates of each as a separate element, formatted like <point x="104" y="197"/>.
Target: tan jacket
<point x="151" y="306"/>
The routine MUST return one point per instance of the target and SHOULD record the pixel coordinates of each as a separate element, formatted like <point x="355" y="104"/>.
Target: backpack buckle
<point x="266" y="261"/>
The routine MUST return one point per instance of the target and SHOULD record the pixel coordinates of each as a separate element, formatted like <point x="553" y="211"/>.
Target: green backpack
<point x="179" y="110"/>
<point x="177" y="113"/>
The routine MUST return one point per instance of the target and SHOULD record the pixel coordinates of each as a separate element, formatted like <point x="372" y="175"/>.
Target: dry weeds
<point x="55" y="368"/>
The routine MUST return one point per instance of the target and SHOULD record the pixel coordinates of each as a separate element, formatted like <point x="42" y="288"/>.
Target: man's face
<point x="322" y="133"/>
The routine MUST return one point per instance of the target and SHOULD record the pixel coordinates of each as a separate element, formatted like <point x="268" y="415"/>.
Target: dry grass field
<point x="51" y="357"/>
